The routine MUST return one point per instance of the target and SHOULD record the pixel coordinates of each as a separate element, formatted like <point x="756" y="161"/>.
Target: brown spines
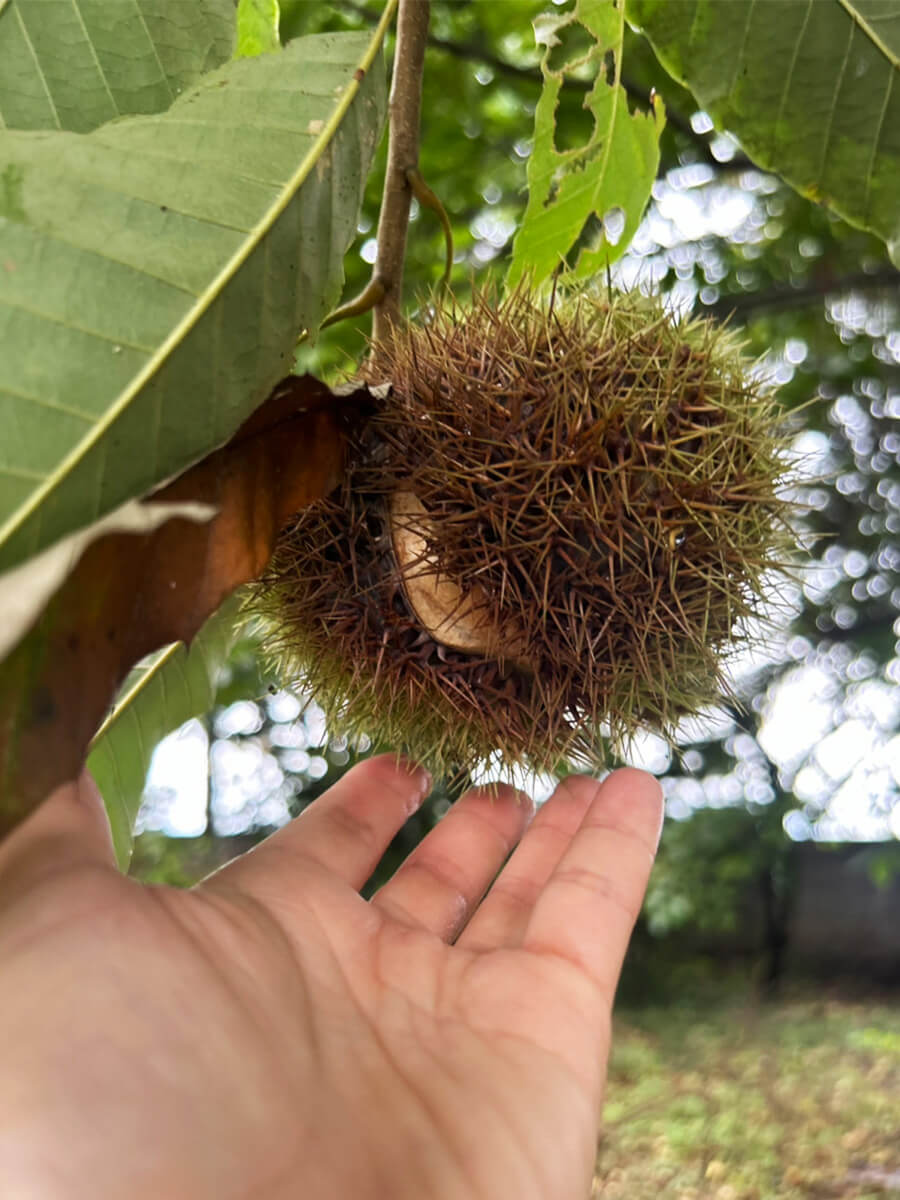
<point x="594" y="489"/>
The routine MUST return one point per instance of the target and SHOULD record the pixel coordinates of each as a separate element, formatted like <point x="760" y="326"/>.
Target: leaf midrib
<point x="210" y="293"/>
<point x="856" y="16"/>
<point x="160" y="658"/>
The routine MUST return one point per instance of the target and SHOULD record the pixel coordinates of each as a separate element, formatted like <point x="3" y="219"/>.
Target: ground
<point x="742" y="1100"/>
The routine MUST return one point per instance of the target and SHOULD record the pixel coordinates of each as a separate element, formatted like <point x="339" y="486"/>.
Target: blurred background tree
<point x="813" y="749"/>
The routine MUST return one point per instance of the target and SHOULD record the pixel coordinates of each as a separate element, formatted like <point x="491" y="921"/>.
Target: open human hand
<point x="270" y="1034"/>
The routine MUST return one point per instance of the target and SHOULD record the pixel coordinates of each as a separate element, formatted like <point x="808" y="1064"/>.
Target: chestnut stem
<point x="403" y="156"/>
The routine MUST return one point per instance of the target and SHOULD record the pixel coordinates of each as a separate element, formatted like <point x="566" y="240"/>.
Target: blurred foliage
<point x="703" y="870"/>
<point x="257" y="24"/>
<point x="882" y="863"/>
<point x="182" y="862"/>
<point x="820" y="305"/>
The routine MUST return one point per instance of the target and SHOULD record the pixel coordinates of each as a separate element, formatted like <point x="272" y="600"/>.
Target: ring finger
<point x="503" y="917"/>
<point x="442" y="881"/>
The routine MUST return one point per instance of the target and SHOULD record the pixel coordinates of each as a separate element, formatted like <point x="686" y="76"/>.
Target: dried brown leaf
<point x="131" y="593"/>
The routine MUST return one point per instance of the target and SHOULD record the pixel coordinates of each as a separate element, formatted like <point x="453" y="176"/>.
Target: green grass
<point x="747" y="1101"/>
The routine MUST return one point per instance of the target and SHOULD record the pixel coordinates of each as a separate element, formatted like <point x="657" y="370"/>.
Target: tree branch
<point x="783" y="295"/>
<point x="403" y="156"/>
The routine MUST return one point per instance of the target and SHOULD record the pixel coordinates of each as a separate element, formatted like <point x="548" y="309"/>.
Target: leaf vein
<point x="67" y="409"/>
<point x="93" y="52"/>
<point x="867" y="28"/>
<point x="155" y="50"/>
<point x="37" y="66"/>
<point x="876" y="142"/>
<point x="789" y="78"/>
<point x="76" y="328"/>
<point x="830" y="126"/>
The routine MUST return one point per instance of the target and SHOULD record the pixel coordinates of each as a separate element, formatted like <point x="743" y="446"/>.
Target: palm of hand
<point x="271" y="1034"/>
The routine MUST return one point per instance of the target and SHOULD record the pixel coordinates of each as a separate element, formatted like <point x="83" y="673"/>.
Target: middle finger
<point x="442" y="881"/>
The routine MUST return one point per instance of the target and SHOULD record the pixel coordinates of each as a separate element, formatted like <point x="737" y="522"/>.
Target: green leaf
<point x="811" y="90"/>
<point x="77" y="65"/>
<point x="590" y="196"/>
<point x="154" y="275"/>
<point x="165" y="690"/>
<point x="257" y="28"/>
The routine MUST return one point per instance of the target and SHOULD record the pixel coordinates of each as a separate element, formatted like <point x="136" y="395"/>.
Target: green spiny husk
<point x="608" y="479"/>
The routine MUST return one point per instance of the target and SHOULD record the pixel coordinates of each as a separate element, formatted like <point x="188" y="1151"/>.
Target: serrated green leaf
<point x="155" y="273"/>
<point x="161" y="693"/>
<point x="75" y="65"/>
<point x="604" y="183"/>
<point x="257" y="28"/>
<point x="811" y="90"/>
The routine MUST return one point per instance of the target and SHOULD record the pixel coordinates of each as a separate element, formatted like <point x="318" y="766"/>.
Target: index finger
<point x="588" y="908"/>
<point x="344" y="833"/>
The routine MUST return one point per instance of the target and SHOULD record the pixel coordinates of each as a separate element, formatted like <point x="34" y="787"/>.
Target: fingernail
<point x="524" y="800"/>
<point x="662" y="817"/>
<point x="422" y="780"/>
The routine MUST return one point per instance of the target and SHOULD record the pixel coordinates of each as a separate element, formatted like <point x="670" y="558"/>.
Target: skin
<point x="270" y="1034"/>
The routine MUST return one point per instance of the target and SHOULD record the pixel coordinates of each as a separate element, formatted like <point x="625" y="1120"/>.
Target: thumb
<point x="68" y="830"/>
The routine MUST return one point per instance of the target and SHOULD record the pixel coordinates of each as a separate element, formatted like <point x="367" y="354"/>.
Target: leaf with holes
<point x="154" y="274"/>
<point x="80" y="64"/>
<point x="258" y="22"/>
<point x="812" y="93"/>
<point x="585" y="202"/>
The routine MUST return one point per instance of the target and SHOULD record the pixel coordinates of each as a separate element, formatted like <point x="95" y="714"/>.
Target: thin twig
<point x="428" y="199"/>
<point x="403" y="156"/>
<point x="780" y="296"/>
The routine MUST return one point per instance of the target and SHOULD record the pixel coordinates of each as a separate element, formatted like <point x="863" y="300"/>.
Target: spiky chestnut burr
<point x="556" y="522"/>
